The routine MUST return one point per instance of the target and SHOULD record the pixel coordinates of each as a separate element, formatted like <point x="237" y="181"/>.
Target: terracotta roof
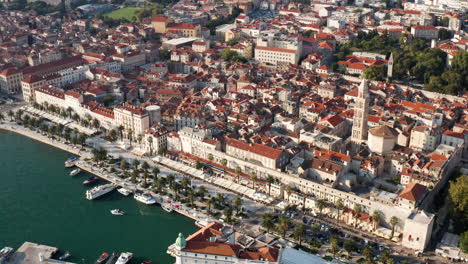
<point x="212" y="248"/>
<point x="383" y="131"/>
<point x="413" y="192"/>
<point x="261" y="150"/>
<point x="160" y="19"/>
<point x="276" y="49"/>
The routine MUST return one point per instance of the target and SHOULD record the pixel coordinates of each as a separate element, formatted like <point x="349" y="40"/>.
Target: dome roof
<point x="180" y="241"/>
<point x="383" y="131"/>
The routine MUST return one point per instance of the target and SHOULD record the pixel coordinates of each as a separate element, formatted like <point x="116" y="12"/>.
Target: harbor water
<point x="40" y="202"/>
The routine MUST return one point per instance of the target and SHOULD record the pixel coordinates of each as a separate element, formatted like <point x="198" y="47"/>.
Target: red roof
<point x="275" y="49"/>
<point x="259" y="149"/>
<point x="413" y="192"/>
<point x="160" y="19"/>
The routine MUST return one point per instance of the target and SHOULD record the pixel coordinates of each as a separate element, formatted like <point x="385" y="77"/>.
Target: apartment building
<point x="277" y="50"/>
<point x="134" y="119"/>
<point x="10" y="81"/>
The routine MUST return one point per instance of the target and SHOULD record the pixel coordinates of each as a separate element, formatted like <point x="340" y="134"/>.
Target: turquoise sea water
<point x="41" y="203"/>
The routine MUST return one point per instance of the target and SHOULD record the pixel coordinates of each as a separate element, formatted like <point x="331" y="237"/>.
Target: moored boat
<point x="99" y="191"/>
<point x="91" y="180"/>
<point x="112" y="259"/>
<point x="124" y="191"/>
<point x="75" y="172"/>
<point x="117" y="212"/>
<point x="144" y="197"/>
<point x="102" y="258"/>
<point x="5" y="253"/>
<point x="124" y="258"/>
<point x="167" y="207"/>
<point x="70" y="162"/>
<point x="65" y="256"/>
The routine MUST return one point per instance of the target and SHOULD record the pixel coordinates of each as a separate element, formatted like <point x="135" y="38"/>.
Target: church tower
<point x="390" y="67"/>
<point x="361" y="111"/>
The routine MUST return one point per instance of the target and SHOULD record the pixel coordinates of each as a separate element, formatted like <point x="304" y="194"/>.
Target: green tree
<point x="349" y="245"/>
<point x="334" y="246"/>
<point x="270" y="180"/>
<point x="376" y="219"/>
<point x="444" y="34"/>
<point x="123" y="165"/>
<point x="164" y="54"/>
<point x="464" y="242"/>
<point x="321" y="204"/>
<point x="268" y="222"/>
<point x="357" y="211"/>
<point x="459" y="198"/>
<point x="299" y="233"/>
<point x="376" y="73"/>
<point x="393" y="222"/>
<point x="237" y="203"/>
<point x="340" y="206"/>
<point x="368" y="254"/>
<point x="283" y="225"/>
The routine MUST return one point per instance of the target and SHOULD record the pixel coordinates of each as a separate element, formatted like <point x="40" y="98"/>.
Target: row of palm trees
<point x="71" y="135"/>
<point x="181" y="191"/>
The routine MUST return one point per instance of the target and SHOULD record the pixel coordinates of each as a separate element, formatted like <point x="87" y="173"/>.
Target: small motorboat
<point x="117" y="212"/>
<point x="167" y="207"/>
<point x="65" y="256"/>
<point x="102" y="258"/>
<point x="124" y="191"/>
<point x="124" y="258"/>
<point x="75" y="172"/>
<point x="91" y="180"/>
<point x="112" y="258"/>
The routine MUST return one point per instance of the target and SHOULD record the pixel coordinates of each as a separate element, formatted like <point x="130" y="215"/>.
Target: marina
<point x="86" y="228"/>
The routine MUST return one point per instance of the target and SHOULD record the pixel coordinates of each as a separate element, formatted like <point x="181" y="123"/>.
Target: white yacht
<point x="167" y="207"/>
<point x="75" y="172"/>
<point x="5" y="253"/>
<point x="144" y="197"/>
<point x="99" y="190"/>
<point x="124" y="191"/>
<point x="70" y="162"/>
<point x="124" y="258"/>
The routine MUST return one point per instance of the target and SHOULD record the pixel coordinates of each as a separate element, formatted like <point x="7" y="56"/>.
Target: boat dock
<point x="183" y="210"/>
<point x="32" y="253"/>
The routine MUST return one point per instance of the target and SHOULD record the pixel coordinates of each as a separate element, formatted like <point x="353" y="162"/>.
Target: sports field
<point x="127" y="13"/>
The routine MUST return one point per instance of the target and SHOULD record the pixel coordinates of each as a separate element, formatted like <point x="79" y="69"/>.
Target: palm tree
<point x="136" y="163"/>
<point x="185" y="182"/>
<point x="201" y="192"/>
<point x="334" y="246"/>
<point x="224" y="163"/>
<point x="11" y="114"/>
<point x="270" y="180"/>
<point x="283" y="225"/>
<point x="393" y="222"/>
<point x="121" y="129"/>
<point x="349" y="245"/>
<point x="134" y="175"/>
<point x="113" y="134"/>
<point x="254" y="178"/>
<point x="268" y="222"/>
<point x="130" y="135"/>
<point x="155" y="172"/>
<point x="210" y="157"/>
<point x="145" y="165"/>
<point x="96" y="123"/>
<point x="124" y="165"/>
<point x="376" y="219"/>
<point x="289" y="189"/>
<point x="210" y="202"/>
<point x="340" y="206"/>
<point x="145" y="176"/>
<point x="368" y="254"/>
<point x="2" y="117"/>
<point x="237" y="202"/>
<point x="321" y="204"/>
<point x="238" y="172"/>
<point x="150" y="141"/>
<point x="170" y="179"/>
<point x="299" y="233"/>
<point x="69" y="111"/>
<point x="357" y="211"/>
<point x="190" y="196"/>
<point x="176" y="188"/>
<point x="139" y="139"/>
